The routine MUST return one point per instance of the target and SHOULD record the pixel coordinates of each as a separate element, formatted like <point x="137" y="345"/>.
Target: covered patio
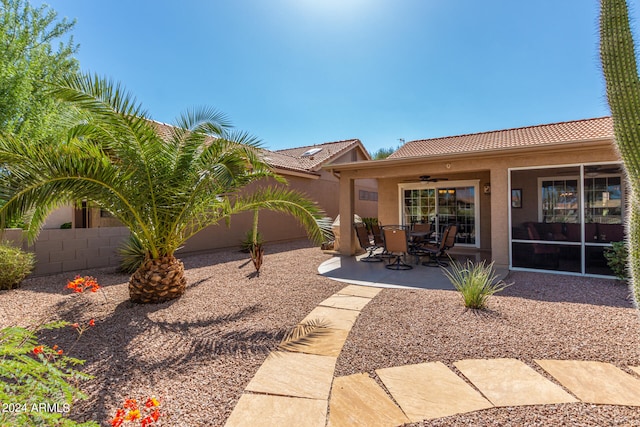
<point x="349" y="269"/>
<point x="493" y="185"/>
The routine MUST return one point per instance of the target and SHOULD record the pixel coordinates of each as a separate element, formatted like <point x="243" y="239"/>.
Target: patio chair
<point x="378" y="240"/>
<point x="363" y="238"/>
<point x="396" y="244"/>
<point x="436" y="251"/>
<point x="543" y="253"/>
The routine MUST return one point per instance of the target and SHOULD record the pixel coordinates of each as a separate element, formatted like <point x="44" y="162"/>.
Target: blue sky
<point x="302" y="72"/>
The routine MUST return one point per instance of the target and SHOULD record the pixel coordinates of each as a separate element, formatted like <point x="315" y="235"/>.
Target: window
<point x="368" y="195"/>
<point x="559" y="200"/>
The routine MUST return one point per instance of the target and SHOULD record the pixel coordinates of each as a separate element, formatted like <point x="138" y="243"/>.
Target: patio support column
<point x="500" y="216"/>
<point x="347" y="206"/>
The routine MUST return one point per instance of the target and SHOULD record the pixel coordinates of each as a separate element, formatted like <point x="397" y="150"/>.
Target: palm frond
<point x="304" y="334"/>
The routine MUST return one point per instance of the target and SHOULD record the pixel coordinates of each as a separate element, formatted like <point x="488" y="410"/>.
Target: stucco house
<point x="548" y="197"/>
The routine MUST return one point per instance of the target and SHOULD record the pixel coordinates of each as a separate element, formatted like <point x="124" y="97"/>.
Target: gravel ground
<point x="539" y="316"/>
<point x="198" y="353"/>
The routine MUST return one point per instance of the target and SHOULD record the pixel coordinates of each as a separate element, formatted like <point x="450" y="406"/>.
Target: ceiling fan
<point x="428" y="178"/>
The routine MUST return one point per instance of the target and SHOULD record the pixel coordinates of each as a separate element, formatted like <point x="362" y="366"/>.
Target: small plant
<point x="132" y="255"/>
<point x="369" y="222"/>
<point x="37" y="381"/>
<point x="15" y="265"/>
<point x="475" y="282"/>
<point x="247" y="242"/>
<point x="65" y="226"/>
<point x="617" y="257"/>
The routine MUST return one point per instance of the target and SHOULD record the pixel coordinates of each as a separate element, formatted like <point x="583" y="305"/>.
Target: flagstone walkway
<point x="296" y="387"/>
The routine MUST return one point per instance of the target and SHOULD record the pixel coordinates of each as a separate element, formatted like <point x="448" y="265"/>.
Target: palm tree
<point x="164" y="183"/>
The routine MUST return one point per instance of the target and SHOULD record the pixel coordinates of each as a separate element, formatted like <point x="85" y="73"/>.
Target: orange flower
<point x="155" y="415"/>
<point x="60" y="352"/>
<point x="75" y="325"/>
<point x="55" y="347"/>
<point x="131" y="404"/>
<point x="118" y="419"/>
<point x="92" y="322"/>
<point x="151" y="402"/>
<point x="39" y="349"/>
<point x="133" y="415"/>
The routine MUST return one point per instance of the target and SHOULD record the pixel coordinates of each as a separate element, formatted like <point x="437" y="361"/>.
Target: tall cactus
<point x="617" y="53"/>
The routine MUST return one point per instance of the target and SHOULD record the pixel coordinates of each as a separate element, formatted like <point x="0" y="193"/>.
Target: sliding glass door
<point x="441" y="204"/>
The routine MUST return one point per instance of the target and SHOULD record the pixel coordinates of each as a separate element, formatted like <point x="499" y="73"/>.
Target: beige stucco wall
<point x="488" y="168"/>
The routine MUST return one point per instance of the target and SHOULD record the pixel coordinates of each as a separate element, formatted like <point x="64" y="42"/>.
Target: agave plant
<point x="164" y="183"/>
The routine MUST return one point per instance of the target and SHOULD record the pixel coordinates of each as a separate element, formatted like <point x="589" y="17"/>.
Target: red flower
<point x="60" y="352"/>
<point x="151" y="402"/>
<point x="75" y="325"/>
<point x="118" y="419"/>
<point x="39" y="349"/>
<point x="155" y="415"/>
<point x="92" y="322"/>
<point x="131" y="404"/>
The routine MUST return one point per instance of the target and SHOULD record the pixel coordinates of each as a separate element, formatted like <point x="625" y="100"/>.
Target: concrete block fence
<point x="59" y="251"/>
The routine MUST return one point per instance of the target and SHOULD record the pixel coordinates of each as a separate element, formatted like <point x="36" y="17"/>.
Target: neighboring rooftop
<point x="548" y="134"/>
<point x="312" y="157"/>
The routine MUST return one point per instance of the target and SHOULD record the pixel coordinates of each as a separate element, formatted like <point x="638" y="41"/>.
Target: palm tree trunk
<point x="158" y="280"/>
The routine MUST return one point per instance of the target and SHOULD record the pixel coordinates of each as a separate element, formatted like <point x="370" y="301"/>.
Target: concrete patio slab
<point x="430" y="390"/>
<point x="294" y="374"/>
<point x="277" y="411"/>
<point x="510" y="382"/>
<point x="337" y="318"/>
<point x="595" y="382"/>
<point x="360" y="291"/>
<point x="328" y="344"/>
<point x="357" y="400"/>
<point x="348" y="302"/>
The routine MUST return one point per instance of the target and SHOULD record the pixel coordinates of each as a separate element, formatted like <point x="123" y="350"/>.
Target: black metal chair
<point x="363" y="237"/>
<point x="436" y="251"/>
<point x="378" y="240"/>
<point x="396" y="243"/>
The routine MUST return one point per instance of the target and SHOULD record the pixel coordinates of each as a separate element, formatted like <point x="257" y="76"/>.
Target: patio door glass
<point x="442" y="206"/>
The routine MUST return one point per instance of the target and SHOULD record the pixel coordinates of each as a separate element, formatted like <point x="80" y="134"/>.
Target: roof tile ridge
<point x="317" y="145"/>
<point x="542" y="125"/>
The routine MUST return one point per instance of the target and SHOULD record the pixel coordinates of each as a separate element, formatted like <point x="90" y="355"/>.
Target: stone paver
<point x="294" y="374"/>
<point x="337" y="318"/>
<point x="328" y="344"/>
<point x="357" y="400"/>
<point x="635" y="369"/>
<point x="510" y="382"/>
<point x="595" y="382"/>
<point x="430" y="390"/>
<point x="277" y="411"/>
<point x="347" y="302"/>
<point x="360" y="291"/>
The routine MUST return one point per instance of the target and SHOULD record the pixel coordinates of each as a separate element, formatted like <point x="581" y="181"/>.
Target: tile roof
<point x="329" y="151"/>
<point x="290" y="158"/>
<point x="531" y="136"/>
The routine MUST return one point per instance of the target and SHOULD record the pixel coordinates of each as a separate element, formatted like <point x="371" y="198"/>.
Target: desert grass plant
<point x="476" y="282"/>
<point x="38" y="384"/>
<point x="15" y="265"/>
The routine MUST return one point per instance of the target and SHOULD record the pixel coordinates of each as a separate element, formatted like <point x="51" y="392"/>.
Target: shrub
<point x="369" y="222"/>
<point x="475" y="282"/>
<point x="132" y="255"/>
<point x="36" y="381"/>
<point x="15" y="265"/>
<point x="617" y="257"/>
<point x="65" y="226"/>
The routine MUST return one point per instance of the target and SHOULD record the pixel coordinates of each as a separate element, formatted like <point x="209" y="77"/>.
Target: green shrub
<point x="370" y="221"/>
<point x="475" y="282"/>
<point x="37" y="382"/>
<point x="15" y="265"/>
<point x="617" y="257"/>
<point x="132" y="255"/>
<point x="65" y="226"/>
<point x="247" y="243"/>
